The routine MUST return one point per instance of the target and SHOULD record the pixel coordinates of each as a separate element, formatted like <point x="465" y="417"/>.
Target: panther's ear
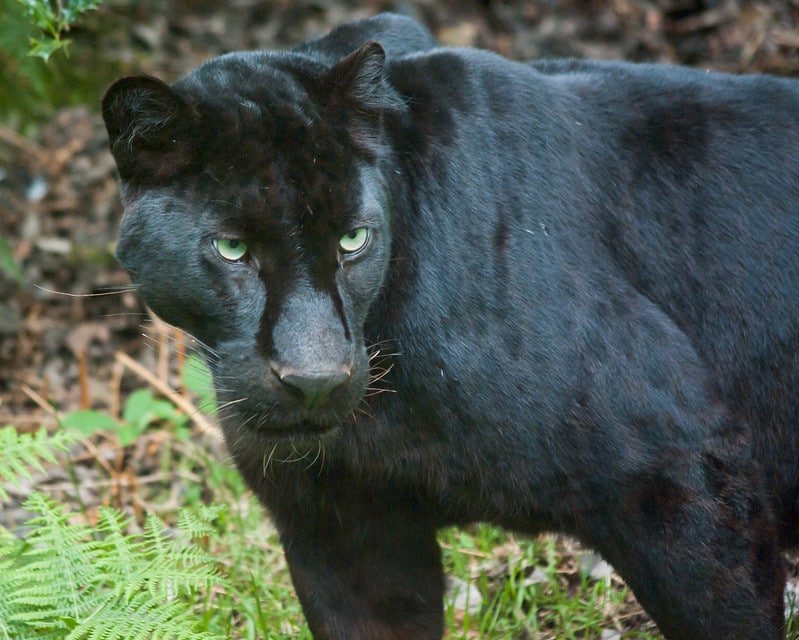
<point x="359" y="94"/>
<point x="150" y="128"/>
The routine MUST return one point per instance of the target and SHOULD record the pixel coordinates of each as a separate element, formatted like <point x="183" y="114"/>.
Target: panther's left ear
<point x="152" y="130"/>
<point x="359" y="95"/>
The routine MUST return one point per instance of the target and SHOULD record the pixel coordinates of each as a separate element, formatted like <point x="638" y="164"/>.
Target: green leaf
<point x="73" y="9"/>
<point x="139" y="408"/>
<point x="89" y="421"/>
<point x="196" y="377"/>
<point x="21" y="452"/>
<point x="164" y="410"/>
<point x="182" y="429"/>
<point x="45" y="47"/>
<point x="8" y="265"/>
<point x="53" y="19"/>
<point x="69" y="622"/>
<point x="41" y="13"/>
<point x="128" y="434"/>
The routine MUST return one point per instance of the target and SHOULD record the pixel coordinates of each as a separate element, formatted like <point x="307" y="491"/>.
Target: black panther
<point x="438" y="287"/>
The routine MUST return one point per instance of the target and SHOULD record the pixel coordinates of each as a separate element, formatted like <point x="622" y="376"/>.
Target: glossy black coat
<point x="580" y="293"/>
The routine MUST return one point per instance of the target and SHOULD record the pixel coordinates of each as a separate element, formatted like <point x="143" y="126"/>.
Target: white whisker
<point x="68" y="294"/>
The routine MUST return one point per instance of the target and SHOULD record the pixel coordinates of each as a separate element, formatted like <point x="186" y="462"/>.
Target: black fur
<point x="579" y="289"/>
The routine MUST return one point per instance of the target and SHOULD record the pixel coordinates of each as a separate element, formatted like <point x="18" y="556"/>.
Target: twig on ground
<point x="39" y="154"/>
<point x="41" y="402"/>
<point x="178" y="400"/>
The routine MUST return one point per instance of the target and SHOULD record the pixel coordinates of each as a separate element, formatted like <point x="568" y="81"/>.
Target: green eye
<point x="231" y="249"/>
<point x="354" y="241"/>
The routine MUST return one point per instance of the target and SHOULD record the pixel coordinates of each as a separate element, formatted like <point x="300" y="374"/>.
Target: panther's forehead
<point x="266" y="120"/>
<point x="267" y="151"/>
<point x="260" y="80"/>
<point x="270" y="193"/>
<point x="277" y="205"/>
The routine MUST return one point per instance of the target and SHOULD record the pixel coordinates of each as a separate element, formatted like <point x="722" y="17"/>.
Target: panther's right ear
<point x="151" y="128"/>
<point x="359" y="95"/>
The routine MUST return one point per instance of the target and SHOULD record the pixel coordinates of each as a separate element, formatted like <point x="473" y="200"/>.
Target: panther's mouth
<point x="269" y="418"/>
<point x="273" y="428"/>
<point x="304" y="431"/>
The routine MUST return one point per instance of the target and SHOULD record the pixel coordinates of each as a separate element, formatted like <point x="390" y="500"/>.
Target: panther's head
<point x="257" y="219"/>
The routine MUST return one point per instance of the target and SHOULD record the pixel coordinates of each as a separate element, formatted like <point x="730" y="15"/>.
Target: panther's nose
<point x="313" y="387"/>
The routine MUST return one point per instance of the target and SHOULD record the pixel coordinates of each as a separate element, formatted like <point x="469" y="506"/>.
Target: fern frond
<point x="199" y="522"/>
<point x="151" y="576"/>
<point x="59" y="563"/>
<point x="168" y="566"/>
<point x="21" y="452"/>
<point x="68" y="580"/>
<point x="141" y="618"/>
<point x="119" y="552"/>
<point x="10" y="549"/>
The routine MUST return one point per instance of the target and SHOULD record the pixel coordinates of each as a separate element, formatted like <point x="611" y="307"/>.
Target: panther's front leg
<point x="679" y="504"/>
<point x="364" y="561"/>
<point x="695" y="539"/>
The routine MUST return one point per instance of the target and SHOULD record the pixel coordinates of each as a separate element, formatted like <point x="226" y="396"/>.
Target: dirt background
<point x="65" y="324"/>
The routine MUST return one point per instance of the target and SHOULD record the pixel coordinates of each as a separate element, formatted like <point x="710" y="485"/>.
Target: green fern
<point x="164" y="566"/>
<point x="54" y="569"/>
<point x="10" y="549"/>
<point x="140" y="617"/>
<point x="70" y="581"/>
<point x="21" y="452"/>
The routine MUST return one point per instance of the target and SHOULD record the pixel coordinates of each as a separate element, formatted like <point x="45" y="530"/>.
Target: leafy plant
<point x="142" y="410"/>
<point x="74" y="581"/>
<point x="70" y="580"/>
<point x="53" y="19"/>
<point x="21" y="452"/>
<point x="31" y="31"/>
<point x="8" y="265"/>
<point x="200" y="577"/>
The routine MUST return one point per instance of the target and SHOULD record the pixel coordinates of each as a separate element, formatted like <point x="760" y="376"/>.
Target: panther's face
<point x="259" y="226"/>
